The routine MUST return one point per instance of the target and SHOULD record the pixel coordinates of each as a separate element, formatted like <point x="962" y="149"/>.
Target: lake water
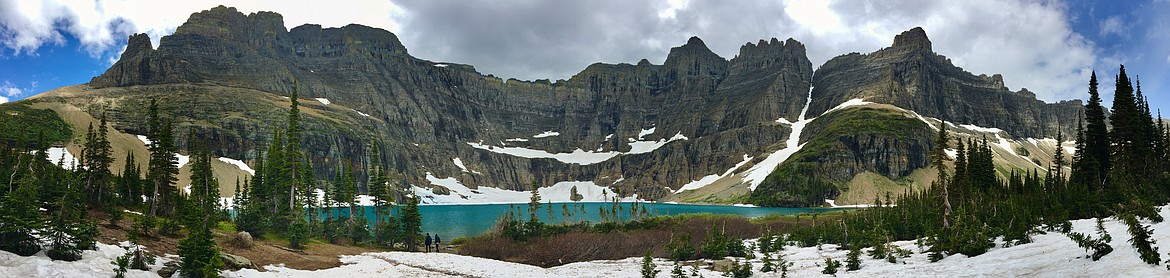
<point x="452" y="221"/>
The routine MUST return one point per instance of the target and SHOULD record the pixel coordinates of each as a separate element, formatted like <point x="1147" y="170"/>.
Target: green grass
<point x="802" y="180"/>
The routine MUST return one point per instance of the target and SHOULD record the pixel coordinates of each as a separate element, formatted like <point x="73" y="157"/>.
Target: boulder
<point x="234" y="261"/>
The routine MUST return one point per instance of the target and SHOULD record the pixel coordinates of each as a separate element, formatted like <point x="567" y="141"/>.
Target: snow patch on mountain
<point x="708" y="179"/>
<point x="322" y="100"/>
<point x="360" y="113"/>
<point x="460" y="194"/>
<point x="549" y="133"/>
<point x="638" y="147"/>
<point x="61" y="156"/>
<point x="642" y="134"/>
<point x="238" y="164"/>
<point x="145" y="141"/>
<point x="981" y="129"/>
<point x="580" y="156"/>
<point x="181" y="160"/>
<point x="953" y="153"/>
<point x="459" y="163"/>
<point x="756" y="174"/>
<point x="847" y="104"/>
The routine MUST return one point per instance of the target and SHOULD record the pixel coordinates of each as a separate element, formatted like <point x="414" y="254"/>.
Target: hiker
<point x="428" y="242"/>
<point x="436" y="242"/>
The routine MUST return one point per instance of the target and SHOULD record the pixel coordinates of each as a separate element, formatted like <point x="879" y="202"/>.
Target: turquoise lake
<point x="452" y="221"/>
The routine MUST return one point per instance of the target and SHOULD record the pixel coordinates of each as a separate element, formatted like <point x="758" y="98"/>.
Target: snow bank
<point x="549" y="133"/>
<point x="707" y="180"/>
<point x="460" y="194"/>
<point x="322" y="100"/>
<point x="440" y="65"/>
<point x="1050" y="255"/>
<point x="182" y="160"/>
<point x="517" y="140"/>
<point x="93" y="263"/>
<point x="238" y="164"/>
<point x="61" y="156"/>
<point x="953" y="153"/>
<point x="145" y="141"/>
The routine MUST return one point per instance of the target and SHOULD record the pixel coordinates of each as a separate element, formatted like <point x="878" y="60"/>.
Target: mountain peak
<point x="912" y="38"/>
<point x="693" y="49"/>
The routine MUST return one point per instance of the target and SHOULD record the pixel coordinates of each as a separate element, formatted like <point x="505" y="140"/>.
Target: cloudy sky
<point x="1049" y="47"/>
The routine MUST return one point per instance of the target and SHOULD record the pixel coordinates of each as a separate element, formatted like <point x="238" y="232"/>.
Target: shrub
<point x="853" y="262"/>
<point x="648" y="270"/>
<point x="831" y="266"/>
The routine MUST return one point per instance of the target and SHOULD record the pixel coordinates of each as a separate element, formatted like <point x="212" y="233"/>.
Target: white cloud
<point x="1168" y="56"/>
<point x="1112" y="25"/>
<point x="3" y="99"/>
<point x="101" y="26"/>
<point x="9" y="90"/>
<point x="1029" y="41"/>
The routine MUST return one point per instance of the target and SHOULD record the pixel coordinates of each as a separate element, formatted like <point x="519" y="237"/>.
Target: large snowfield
<point x="1051" y="255"/>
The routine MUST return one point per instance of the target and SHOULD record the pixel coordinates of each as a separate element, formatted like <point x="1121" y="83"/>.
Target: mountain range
<point x="763" y="127"/>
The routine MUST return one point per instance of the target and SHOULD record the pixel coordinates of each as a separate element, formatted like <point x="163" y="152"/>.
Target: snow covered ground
<point x="322" y="100"/>
<point x="1051" y="255"/>
<point x="93" y="263"/>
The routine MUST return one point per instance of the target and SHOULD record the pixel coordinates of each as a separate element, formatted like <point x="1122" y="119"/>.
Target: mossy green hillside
<point x="845" y="143"/>
<point x="20" y="123"/>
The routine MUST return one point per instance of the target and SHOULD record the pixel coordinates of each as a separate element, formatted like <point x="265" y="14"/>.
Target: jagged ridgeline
<point x="697" y="128"/>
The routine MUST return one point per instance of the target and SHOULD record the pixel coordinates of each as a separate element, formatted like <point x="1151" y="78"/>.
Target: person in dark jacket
<point x="428" y="242"/>
<point x="436" y="242"/>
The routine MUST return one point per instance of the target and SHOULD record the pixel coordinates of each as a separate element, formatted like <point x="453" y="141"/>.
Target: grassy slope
<point x="800" y="181"/>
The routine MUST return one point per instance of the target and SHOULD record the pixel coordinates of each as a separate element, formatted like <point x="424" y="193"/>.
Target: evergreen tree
<point x="411" y="224"/>
<point x="130" y="183"/>
<point x="96" y="156"/>
<point x="163" y="166"/>
<point x="293" y="152"/>
<point x="1129" y="145"/>
<point x="648" y="270"/>
<point x="1096" y="147"/>
<point x="65" y="232"/>
<point x="20" y="220"/>
<point x="677" y="271"/>
<point x="200" y="255"/>
<point x="853" y="261"/>
<point x="938" y="159"/>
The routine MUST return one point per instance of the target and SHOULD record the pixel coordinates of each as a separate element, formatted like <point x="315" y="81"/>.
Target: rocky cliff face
<point x="697" y="114"/>
<point x="910" y="75"/>
<point x="425" y="112"/>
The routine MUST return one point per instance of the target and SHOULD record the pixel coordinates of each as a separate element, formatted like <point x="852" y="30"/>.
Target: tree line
<point x="1119" y="169"/>
<point x="42" y="202"/>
